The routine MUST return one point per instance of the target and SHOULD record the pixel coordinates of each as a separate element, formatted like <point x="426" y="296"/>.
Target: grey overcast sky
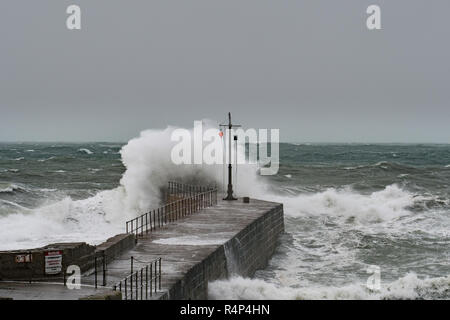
<point x="308" y="67"/>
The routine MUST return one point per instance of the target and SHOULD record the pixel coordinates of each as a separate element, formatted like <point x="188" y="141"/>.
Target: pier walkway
<point x="205" y="246"/>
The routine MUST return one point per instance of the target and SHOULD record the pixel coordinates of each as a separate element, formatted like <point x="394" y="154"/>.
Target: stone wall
<point x="253" y="247"/>
<point x="115" y="246"/>
<point x="73" y="253"/>
<point x="250" y="250"/>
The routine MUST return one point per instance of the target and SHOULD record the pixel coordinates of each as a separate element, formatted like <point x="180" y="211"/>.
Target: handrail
<point x="170" y="212"/>
<point x="141" y="284"/>
<point x="186" y="190"/>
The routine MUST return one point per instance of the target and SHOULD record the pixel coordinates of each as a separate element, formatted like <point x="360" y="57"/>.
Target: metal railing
<point x="143" y="283"/>
<point x="103" y="262"/>
<point x="184" y="190"/>
<point x="170" y="212"/>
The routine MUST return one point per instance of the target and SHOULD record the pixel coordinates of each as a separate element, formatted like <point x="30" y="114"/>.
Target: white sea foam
<point x="84" y="150"/>
<point x="407" y="287"/>
<point x="387" y="204"/>
<point x="46" y="159"/>
<point x="147" y="159"/>
<point x="92" y="220"/>
<point x="148" y="168"/>
<point x="8" y="188"/>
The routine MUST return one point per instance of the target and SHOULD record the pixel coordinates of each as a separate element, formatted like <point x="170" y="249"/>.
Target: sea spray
<point x="148" y="168"/>
<point x="338" y="221"/>
<point x="231" y="249"/>
<point x="407" y="287"/>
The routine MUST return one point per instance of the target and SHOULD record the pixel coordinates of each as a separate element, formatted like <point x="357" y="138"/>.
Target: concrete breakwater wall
<point x="225" y="239"/>
<point x="30" y="265"/>
<point x="248" y="250"/>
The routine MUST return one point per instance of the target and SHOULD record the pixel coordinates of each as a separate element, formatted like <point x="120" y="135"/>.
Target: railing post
<point x="95" y="271"/>
<point x="104" y="268"/>
<point x="176" y="210"/>
<point x="132" y="264"/>
<point x="131" y="286"/>
<point x="146" y="282"/>
<point x="159" y="274"/>
<point x="154" y="219"/>
<point x="142" y="286"/>
<point x="137" y="289"/>
<point x="146" y="223"/>
<point x="159" y="220"/>
<point x="165" y="214"/>
<point x="151" y="279"/>
<point x="126" y="291"/>
<point x="156" y="268"/>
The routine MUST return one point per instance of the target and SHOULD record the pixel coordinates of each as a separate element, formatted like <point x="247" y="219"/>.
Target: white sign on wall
<point x="53" y="262"/>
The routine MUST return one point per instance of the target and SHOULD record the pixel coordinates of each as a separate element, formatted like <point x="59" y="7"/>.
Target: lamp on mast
<point x="230" y="182"/>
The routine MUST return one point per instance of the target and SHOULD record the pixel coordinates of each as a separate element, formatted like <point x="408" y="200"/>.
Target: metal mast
<point x="230" y="184"/>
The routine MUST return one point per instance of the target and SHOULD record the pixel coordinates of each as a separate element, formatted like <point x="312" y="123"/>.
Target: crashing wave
<point x="10" y="188"/>
<point x="148" y="164"/>
<point x="84" y="150"/>
<point x="407" y="287"/>
<point x="389" y="203"/>
<point x="46" y="159"/>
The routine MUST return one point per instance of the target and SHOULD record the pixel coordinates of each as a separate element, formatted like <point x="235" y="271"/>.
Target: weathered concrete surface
<point x="230" y="237"/>
<point x="197" y="249"/>
<point x="47" y="291"/>
<point x="115" y="246"/>
<point x="77" y="253"/>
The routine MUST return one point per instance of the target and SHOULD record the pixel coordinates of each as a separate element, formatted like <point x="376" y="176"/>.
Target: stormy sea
<point x="349" y="208"/>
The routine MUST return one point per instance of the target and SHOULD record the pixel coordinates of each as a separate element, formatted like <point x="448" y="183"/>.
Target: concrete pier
<point x="231" y="237"/>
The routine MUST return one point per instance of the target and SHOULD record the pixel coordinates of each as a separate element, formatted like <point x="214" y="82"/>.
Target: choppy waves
<point x="10" y="188"/>
<point x="408" y="287"/>
<point x="333" y="229"/>
<point x="148" y="168"/>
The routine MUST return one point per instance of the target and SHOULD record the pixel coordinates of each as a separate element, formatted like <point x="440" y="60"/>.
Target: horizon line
<point x="287" y="142"/>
